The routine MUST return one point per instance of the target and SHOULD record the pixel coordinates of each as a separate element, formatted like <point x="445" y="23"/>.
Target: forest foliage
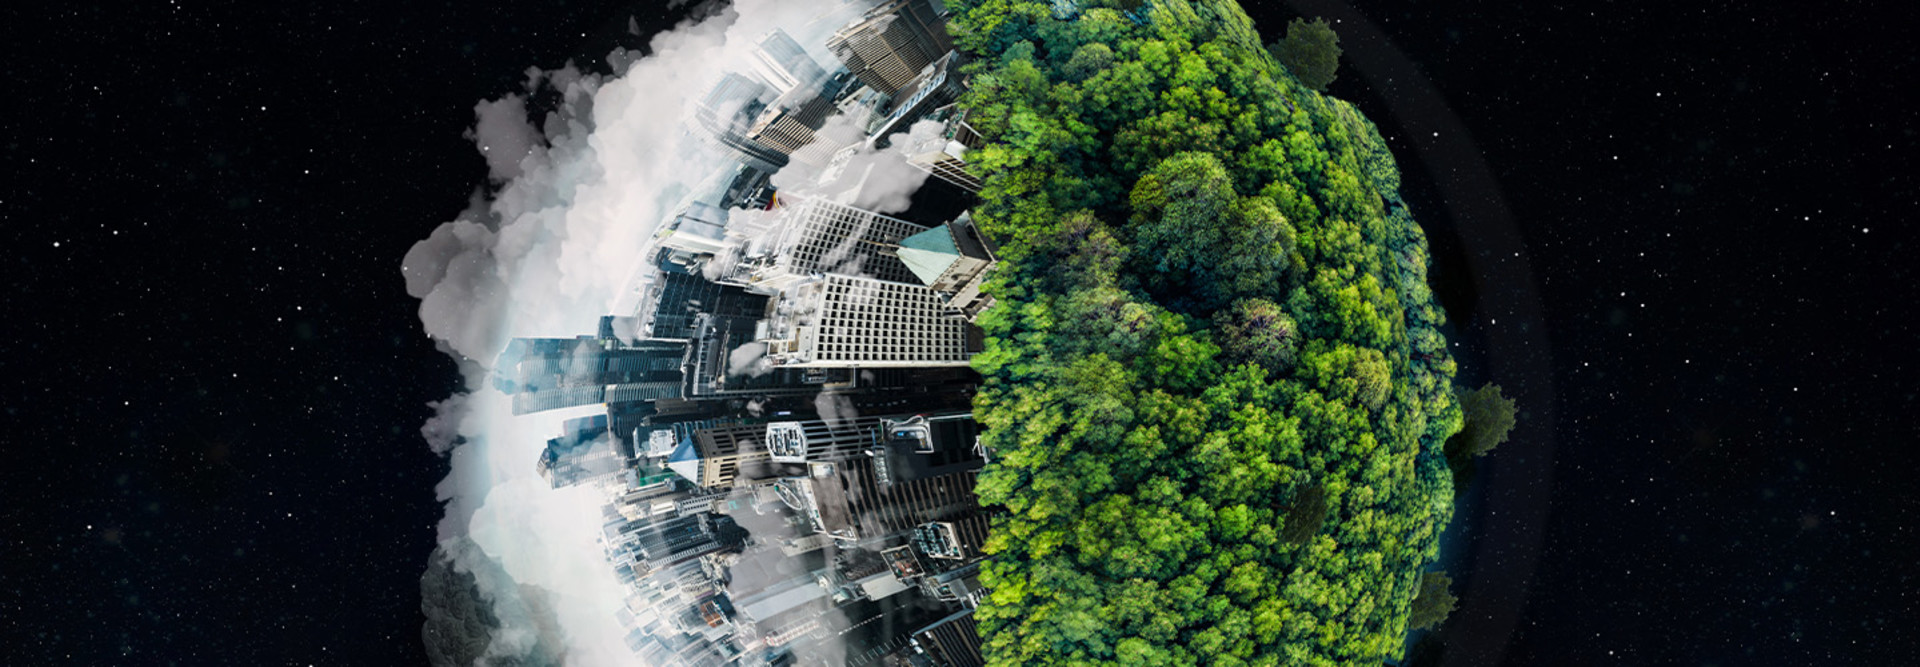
<point x="1433" y="602"/>
<point x="1311" y="51"/>
<point x="1216" y="391"/>
<point x="1487" y="417"/>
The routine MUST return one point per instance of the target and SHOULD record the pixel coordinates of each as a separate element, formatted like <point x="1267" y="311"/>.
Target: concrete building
<point x="846" y="501"/>
<point x="820" y="440"/>
<point x="584" y="456"/>
<point x="815" y="236"/>
<point x="953" y="641"/>
<point x="783" y="64"/>
<point x="890" y="46"/>
<point x="762" y="124"/>
<point x="729" y="110"/>
<point x="952" y="259"/>
<point x="693" y="235"/>
<point x="836" y="321"/>
<point x="710" y="453"/>
<point x="943" y="154"/>
<point x="938" y="87"/>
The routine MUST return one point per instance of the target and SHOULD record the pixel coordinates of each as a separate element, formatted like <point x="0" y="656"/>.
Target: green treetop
<point x="1311" y="51"/>
<point x="1214" y="379"/>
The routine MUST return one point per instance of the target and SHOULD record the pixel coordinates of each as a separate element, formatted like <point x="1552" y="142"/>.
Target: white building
<point x="815" y="236"/>
<point x="837" y="321"/>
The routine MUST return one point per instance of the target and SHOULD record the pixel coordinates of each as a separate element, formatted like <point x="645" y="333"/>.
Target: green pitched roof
<point x="929" y="253"/>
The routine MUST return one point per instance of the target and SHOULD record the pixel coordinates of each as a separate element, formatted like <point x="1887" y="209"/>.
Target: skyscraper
<point x="766" y="116"/>
<point x="729" y="111"/>
<point x="711" y="453"/>
<point x="952" y="259"/>
<point x="835" y="321"/>
<point x="935" y="90"/>
<point x="943" y="154"/>
<point x="819" y="236"/>
<point x="889" y="47"/>
<point x="550" y="373"/>
<point x="583" y="455"/>
<point x="821" y="440"/>
<point x="953" y="641"/>
<point x="846" y="500"/>
<point x="783" y="64"/>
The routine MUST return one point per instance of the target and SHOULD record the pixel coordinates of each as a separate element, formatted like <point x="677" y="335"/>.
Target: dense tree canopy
<point x="1215" y="387"/>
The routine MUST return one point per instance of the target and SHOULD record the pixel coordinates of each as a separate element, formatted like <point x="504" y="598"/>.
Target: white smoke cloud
<point x="750" y="359"/>
<point x="863" y="176"/>
<point x="502" y="133"/>
<point x="835" y="409"/>
<point x="442" y="430"/>
<point x="552" y="244"/>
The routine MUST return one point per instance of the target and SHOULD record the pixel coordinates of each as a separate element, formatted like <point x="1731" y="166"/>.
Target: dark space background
<point x="216" y="379"/>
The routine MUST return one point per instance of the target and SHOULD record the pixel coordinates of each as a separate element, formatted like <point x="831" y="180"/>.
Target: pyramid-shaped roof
<point x="685" y="461"/>
<point x="929" y="253"/>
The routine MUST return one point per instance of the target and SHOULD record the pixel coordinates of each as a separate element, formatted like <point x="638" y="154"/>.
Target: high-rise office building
<point x="819" y="236"/>
<point x="729" y="111"/>
<point x="846" y="501"/>
<point x="938" y="88"/>
<point x="584" y="455"/>
<point x="764" y="121"/>
<point x="890" y="46"/>
<point x="783" y="64"/>
<point x="711" y="453"/>
<point x="674" y="302"/>
<point x="551" y="373"/>
<point x="836" y="321"/>
<point x="695" y="233"/>
<point x="725" y="359"/>
<point x="953" y="641"/>
<point x="943" y="154"/>
<point x="821" y="440"/>
<point x="952" y="259"/>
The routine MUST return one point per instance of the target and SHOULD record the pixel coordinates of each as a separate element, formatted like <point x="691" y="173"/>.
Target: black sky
<point x="217" y="378"/>
<point x="213" y="451"/>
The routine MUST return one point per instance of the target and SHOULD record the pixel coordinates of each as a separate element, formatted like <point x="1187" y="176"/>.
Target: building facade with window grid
<point x="889" y="47"/>
<point x="847" y="321"/>
<point x="846" y="501"/>
<point x="712" y="452"/>
<point x="817" y="236"/>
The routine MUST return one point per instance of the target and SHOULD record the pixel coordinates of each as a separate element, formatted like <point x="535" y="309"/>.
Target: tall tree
<point x="1311" y="51"/>
<point x="1259" y="331"/>
<point x="1433" y="603"/>
<point x="1489" y="417"/>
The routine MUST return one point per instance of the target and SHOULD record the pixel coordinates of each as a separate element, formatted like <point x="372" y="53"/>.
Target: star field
<point x="217" y="379"/>
<point x="213" y="451"/>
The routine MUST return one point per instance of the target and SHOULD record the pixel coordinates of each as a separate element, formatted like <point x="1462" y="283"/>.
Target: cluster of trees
<point x="1215" y="386"/>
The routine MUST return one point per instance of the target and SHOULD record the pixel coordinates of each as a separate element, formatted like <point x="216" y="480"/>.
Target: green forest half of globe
<point x="1217" y="395"/>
